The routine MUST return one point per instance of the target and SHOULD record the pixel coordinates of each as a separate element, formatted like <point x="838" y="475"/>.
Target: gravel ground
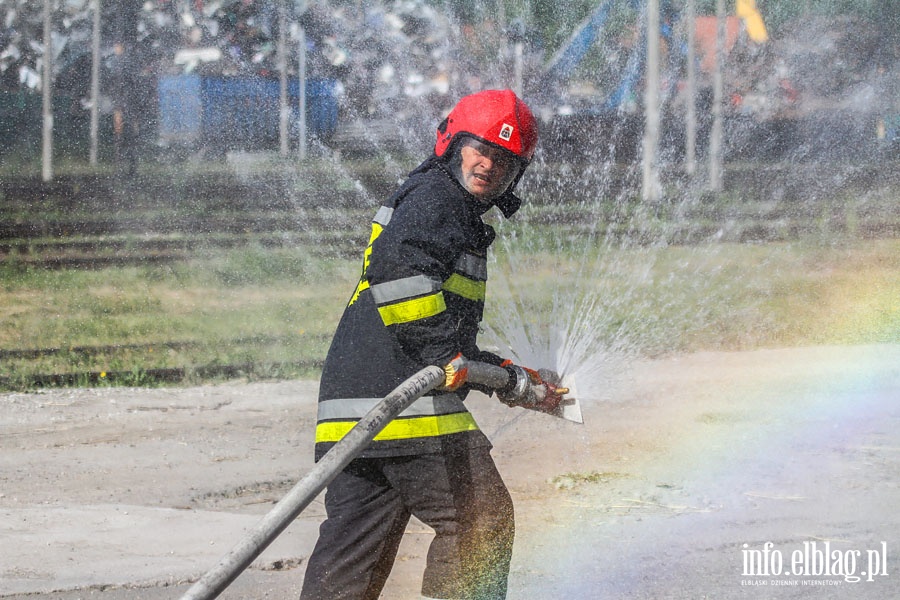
<point x="685" y="469"/>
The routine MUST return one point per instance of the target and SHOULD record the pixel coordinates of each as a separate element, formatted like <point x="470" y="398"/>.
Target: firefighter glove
<point x="455" y="373"/>
<point x="530" y="389"/>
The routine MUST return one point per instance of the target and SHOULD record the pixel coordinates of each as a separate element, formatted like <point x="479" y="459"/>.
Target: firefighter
<point x="419" y="302"/>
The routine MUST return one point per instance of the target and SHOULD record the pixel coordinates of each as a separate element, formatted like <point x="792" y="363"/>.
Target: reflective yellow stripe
<point x="403" y="429"/>
<point x="362" y="286"/>
<point x="367" y="256"/>
<point x="412" y="310"/>
<point x="465" y="287"/>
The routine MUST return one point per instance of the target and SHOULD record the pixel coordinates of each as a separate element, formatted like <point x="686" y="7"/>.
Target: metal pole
<point x="651" y="189"/>
<point x="47" y="137"/>
<point x="283" y="106"/>
<point x="690" y="92"/>
<point x="305" y="491"/>
<point x="518" y="66"/>
<point x="716" y="136"/>
<point x="301" y="94"/>
<point x="95" y="85"/>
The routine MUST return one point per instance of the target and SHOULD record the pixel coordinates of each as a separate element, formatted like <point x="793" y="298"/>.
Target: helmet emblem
<point x="506" y="132"/>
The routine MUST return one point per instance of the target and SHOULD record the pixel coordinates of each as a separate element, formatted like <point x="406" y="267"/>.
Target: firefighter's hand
<point x="455" y="373"/>
<point x="553" y="396"/>
<point x="528" y="388"/>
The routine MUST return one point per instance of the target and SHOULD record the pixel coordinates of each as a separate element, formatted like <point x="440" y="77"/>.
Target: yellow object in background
<point x="756" y="28"/>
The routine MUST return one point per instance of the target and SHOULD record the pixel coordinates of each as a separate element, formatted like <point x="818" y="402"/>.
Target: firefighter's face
<point x="485" y="171"/>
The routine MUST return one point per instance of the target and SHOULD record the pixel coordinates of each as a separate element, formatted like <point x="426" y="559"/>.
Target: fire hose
<point x="327" y="468"/>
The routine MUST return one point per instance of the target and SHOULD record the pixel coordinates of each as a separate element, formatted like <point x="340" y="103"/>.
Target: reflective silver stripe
<point x="356" y="408"/>
<point x="401" y="289"/>
<point x="383" y="216"/>
<point x="472" y="266"/>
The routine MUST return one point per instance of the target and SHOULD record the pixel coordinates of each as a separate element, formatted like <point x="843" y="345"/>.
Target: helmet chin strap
<point x="508" y="203"/>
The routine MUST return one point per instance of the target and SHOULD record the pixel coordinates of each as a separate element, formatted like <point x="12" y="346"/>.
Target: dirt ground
<point x="764" y="474"/>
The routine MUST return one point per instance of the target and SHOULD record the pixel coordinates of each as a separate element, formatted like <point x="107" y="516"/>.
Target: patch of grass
<point x="723" y="418"/>
<point x="709" y="297"/>
<point x="276" y="308"/>
<point x="568" y="481"/>
<point x="802" y="294"/>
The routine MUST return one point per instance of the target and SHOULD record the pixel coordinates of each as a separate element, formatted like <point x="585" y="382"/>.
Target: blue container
<point x="239" y="112"/>
<point x="180" y="109"/>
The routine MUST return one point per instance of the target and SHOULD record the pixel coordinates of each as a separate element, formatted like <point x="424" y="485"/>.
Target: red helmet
<point x="497" y="117"/>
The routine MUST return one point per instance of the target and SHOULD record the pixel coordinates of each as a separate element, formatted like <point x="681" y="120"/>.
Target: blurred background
<point x="802" y="80"/>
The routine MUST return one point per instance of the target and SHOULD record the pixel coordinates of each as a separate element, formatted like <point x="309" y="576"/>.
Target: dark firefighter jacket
<point x="419" y="302"/>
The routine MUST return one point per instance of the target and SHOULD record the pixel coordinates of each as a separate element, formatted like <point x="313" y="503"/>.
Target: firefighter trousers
<point x="459" y="494"/>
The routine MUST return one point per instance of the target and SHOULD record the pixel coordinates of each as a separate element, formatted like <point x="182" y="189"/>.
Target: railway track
<point x="145" y="376"/>
<point x="156" y="376"/>
<point x="95" y="222"/>
<point x="120" y="250"/>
